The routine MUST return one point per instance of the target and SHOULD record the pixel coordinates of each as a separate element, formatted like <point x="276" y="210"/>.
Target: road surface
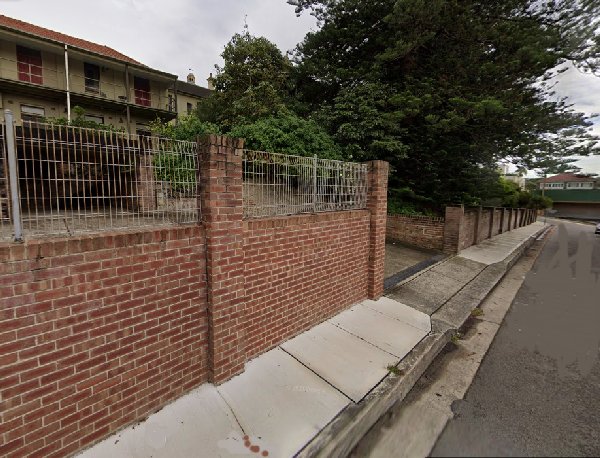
<point x="537" y="391"/>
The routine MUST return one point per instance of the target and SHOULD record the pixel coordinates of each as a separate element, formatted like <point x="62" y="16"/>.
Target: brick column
<point x="377" y="205"/>
<point x="220" y="172"/>
<point x="453" y="227"/>
<point x="476" y="237"/>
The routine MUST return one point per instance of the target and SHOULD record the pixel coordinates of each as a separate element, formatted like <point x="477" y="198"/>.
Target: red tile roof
<point x="567" y="177"/>
<point x="41" y="32"/>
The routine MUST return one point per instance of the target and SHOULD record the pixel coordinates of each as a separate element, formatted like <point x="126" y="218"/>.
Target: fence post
<point x="453" y="229"/>
<point x="377" y="206"/>
<point x="220" y="164"/>
<point x="315" y="183"/>
<point x="13" y="180"/>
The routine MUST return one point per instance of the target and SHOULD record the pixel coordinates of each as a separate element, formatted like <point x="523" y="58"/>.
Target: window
<point x="29" y="65"/>
<point x="32" y="114"/>
<point x="190" y="107"/>
<point x="141" y="88"/>
<point x="94" y="118"/>
<point x="92" y="78"/>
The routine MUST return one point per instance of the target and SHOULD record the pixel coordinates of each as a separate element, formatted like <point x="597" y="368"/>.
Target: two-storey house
<point x="44" y="74"/>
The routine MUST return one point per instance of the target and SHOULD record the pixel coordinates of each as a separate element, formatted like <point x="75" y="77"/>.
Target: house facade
<point x="573" y="196"/>
<point x="44" y="74"/>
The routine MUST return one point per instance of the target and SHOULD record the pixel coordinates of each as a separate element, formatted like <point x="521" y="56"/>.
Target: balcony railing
<point x="110" y="87"/>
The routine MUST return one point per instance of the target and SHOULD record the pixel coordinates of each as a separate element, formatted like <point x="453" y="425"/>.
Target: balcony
<point x="105" y="89"/>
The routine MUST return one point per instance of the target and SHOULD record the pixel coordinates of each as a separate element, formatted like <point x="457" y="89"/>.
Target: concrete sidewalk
<point x="318" y="393"/>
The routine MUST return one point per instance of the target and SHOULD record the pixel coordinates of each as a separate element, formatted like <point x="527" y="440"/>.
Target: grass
<point x="394" y="370"/>
<point x="476" y="312"/>
<point x="456" y="338"/>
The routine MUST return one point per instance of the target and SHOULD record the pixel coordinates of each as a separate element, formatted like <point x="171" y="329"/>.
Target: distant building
<point x="574" y="195"/>
<point x="517" y="178"/>
<point x="44" y="74"/>
<point x="570" y="181"/>
<point x="189" y="95"/>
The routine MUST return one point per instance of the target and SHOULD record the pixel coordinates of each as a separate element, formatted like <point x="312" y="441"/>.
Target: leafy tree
<point x="252" y="84"/>
<point x="444" y="89"/>
<point x="185" y="128"/>
<point x="287" y="133"/>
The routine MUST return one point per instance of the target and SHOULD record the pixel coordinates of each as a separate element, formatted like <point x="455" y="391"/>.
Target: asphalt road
<point x="537" y="391"/>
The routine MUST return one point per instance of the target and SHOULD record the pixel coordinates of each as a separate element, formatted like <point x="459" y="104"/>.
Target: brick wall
<point x="466" y="227"/>
<point x="422" y="231"/>
<point x="468" y="232"/>
<point x="301" y="270"/>
<point x="96" y="332"/>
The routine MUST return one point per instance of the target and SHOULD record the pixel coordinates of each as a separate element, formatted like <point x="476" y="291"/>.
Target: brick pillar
<point x="377" y="205"/>
<point x="220" y="172"/>
<point x="476" y="238"/>
<point x="453" y="227"/>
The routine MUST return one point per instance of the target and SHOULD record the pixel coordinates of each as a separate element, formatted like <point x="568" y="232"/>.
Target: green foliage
<point x="78" y="120"/>
<point x="287" y="133"/>
<point x="444" y="89"/>
<point x="540" y="202"/>
<point x="175" y="169"/>
<point x="404" y="201"/>
<point x="252" y="84"/>
<point x="186" y="128"/>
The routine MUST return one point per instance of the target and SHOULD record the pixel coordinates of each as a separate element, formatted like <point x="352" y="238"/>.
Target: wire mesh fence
<point x="73" y="180"/>
<point x="5" y="220"/>
<point x="70" y="180"/>
<point x="279" y="184"/>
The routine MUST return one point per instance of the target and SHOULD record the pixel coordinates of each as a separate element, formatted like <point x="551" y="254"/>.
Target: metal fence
<point x="5" y="219"/>
<point x="73" y="180"/>
<point x="68" y="180"/>
<point x="279" y="184"/>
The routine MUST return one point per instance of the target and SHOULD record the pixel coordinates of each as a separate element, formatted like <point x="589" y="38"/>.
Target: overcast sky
<point x="178" y="35"/>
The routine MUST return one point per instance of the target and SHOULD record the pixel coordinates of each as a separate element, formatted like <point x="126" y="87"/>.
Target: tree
<point x="252" y="84"/>
<point x="287" y="133"/>
<point x="186" y="128"/>
<point x="444" y="89"/>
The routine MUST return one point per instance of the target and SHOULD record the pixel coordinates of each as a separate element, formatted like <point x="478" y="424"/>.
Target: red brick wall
<point x="497" y="212"/>
<point x="468" y="233"/>
<point x="96" y="332"/>
<point x="301" y="270"/>
<point x="483" y="227"/>
<point x="422" y="231"/>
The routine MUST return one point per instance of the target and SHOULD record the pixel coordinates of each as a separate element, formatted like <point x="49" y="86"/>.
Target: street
<point x="537" y="391"/>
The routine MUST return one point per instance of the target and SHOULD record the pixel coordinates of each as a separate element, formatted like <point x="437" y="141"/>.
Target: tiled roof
<point x="193" y="89"/>
<point x="41" y="32"/>
<point x="566" y="177"/>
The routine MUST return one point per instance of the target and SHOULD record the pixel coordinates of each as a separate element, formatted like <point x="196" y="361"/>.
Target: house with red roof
<point x="568" y="181"/>
<point x="573" y="195"/>
<point x="44" y="74"/>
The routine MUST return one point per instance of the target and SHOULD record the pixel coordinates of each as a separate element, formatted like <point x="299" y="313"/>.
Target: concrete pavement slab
<point x="424" y="301"/>
<point x="197" y="424"/>
<point x="349" y="363"/>
<point x="400" y="312"/>
<point x="282" y="402"/>
<point x="391" y="335"/>
<point x="460" y="269"/>
<point x="500" y="246"/>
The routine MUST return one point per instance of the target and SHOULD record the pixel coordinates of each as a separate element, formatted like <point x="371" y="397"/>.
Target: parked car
<point x="597" y="229"/>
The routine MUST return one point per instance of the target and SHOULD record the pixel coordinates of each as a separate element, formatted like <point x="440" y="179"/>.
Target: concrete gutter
<point x="342" y="434"/>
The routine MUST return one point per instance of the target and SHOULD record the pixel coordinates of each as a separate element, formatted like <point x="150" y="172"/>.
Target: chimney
<point x="191" y="78"/>
<point x="211" y="82"/>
